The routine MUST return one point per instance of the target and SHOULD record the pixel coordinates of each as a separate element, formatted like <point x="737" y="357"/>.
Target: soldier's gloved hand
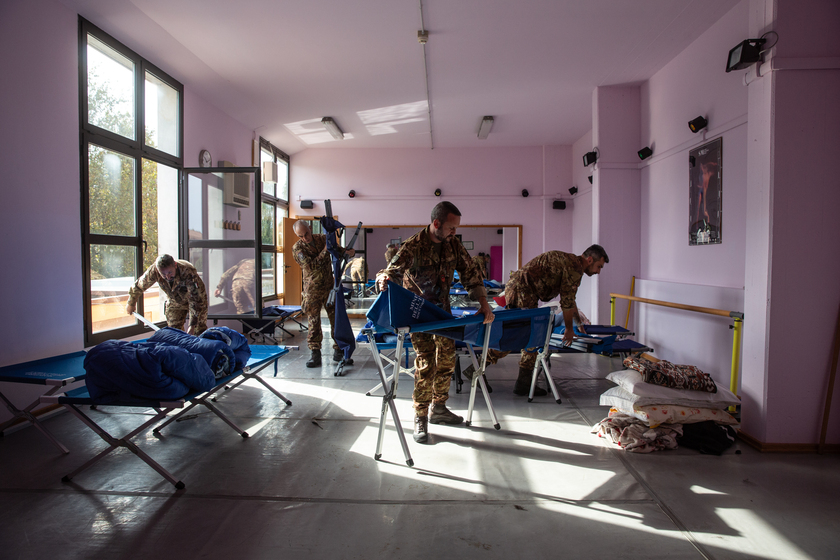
<point x="130" y="308"/>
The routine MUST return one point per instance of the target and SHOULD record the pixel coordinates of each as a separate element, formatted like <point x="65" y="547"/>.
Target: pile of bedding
<point x="657" y="404"/>
<point x="169" y="365"/>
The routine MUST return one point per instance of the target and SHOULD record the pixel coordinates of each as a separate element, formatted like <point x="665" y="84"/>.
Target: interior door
<point x="292" y="274"/>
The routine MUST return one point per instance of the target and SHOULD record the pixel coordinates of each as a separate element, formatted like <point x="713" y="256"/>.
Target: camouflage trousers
<point x="176" y="315"/>
<point x="243" y="299"/>
<point x="434" y="365"/>
<point x="312" y="303"/>
<point x="518" y="297"/>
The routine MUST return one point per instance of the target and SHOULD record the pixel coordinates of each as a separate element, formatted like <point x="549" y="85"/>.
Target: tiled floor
<point x="305" y="484"/>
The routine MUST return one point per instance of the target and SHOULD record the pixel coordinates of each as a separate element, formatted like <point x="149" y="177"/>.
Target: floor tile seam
<point x="308" y="499"/>
<point x="620" y="454"/>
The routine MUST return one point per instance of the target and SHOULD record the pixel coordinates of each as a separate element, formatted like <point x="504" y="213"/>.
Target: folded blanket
<point x="217" y="354"/>
<point x="236" y="341"/>
<point x="118" y="370"/>
<point x="671" y="375"/>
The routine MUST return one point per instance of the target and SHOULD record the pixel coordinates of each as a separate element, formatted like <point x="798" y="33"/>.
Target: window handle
<point x="145" y="245"/>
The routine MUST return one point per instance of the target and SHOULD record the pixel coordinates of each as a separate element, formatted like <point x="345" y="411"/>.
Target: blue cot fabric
<point x="237" y="342"/>
<point x="512" y="329"/>
<point x="342" y="331"/>
<point x="218" y="355"/>
<point x="397" y="307"/>
<point x="118" y="370"/>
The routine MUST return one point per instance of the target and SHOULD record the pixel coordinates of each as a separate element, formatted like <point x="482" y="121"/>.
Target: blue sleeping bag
<point x="217" y="354"/>
<point x="235" y="340"/>
<point x="118" y="371"/>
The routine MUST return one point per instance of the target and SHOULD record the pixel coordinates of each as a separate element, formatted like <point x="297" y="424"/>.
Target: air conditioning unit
<point x="269" y="172"/>
<point x="238" y="189"/>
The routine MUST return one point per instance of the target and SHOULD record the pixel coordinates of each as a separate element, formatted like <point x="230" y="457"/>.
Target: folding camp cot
<point x="599" y="339"/>
<point x="402" y="312"/>
<point x="261" y="358"/>
<point x="55" y="373"/>
<point x="273" y="317"/>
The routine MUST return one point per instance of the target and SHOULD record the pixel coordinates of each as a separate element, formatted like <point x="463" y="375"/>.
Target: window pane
<point x="160" y="211"/>
<point x="110" y="78"/>
<point x="111" y="192"/>
<point x="209" y="216"/>
<point x="112" y="272"/>
<point x="267" y="157"/>
<point x="282" y="180"/>
<point x="268" y="275"/>
<point x="230" y="278"/>
<point x="267" y="224"/>
<point x="162" y="115"/>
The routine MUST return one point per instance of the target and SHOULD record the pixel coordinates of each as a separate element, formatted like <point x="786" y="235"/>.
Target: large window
<point x="275" y="207"/>
<point x="131" y="124"/>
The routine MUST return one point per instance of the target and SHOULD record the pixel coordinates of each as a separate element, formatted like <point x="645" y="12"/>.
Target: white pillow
<point x="631" y="382"/>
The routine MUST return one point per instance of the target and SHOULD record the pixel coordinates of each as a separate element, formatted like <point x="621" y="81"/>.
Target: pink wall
<point x="39" y="108"/>
<point x="582" y="215"/>
<point x="396" y="186"/>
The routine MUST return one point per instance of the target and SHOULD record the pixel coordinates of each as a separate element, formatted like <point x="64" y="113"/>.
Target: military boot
<point x="523" y="385"/>
<point x="469" y="373"/>
<point x="315" y="359"/>
<point x="421" y="429"/>
<point x="338" y="355"/>
<point x="439" y="414"/>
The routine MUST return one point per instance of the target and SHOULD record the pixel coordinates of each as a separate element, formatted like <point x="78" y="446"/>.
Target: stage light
<point x="525" y="193"/>
<point x="744" y="54"/>
<point x="573" y="191"/>
<point x="589" y="158"/>
<point x="645" y="153"/>
<point x="352" y="194"/>
<point x="438" y="192"/>
<point x="590" y="179"/>
<point x="695" y="125"/>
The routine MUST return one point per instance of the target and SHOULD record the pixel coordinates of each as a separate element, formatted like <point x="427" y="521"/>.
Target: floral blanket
<point x="635" y="436"/>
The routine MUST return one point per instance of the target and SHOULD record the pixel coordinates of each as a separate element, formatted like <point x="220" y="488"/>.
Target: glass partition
<point x="223" y="238"/>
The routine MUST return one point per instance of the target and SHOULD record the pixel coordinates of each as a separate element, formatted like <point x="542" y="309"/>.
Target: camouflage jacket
<point x="419" y="269"/>
<point x="244" y="270"/>
<point x="186" y="289"/>
<point x="316" y="263"/>
<point x="481" y="264"/>
<point x="551" y="274"/>
<point x="389" y="254"/>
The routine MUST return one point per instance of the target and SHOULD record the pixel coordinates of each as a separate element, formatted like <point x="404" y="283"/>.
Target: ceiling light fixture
<point x="332" y="128"/>
<point x="484" y="127"/>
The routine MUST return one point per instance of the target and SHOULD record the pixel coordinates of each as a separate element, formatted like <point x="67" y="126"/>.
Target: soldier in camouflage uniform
<point x="480" y="262"/>
<point x="241" y="278"/>
<point x="425" y="265"/>
<point x="390" y="251"/>
<point x="310" y="252"/>
<point x="183" y="287"/>
<point x="543" y="279"/>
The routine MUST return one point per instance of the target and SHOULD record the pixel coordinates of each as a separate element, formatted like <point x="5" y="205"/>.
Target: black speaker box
<point x="559" y="204"/>
<point x="306" y="204"/>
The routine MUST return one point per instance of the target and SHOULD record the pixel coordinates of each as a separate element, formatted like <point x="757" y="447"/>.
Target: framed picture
<point x="468" y="245"/>
<point x="705" y="194"/>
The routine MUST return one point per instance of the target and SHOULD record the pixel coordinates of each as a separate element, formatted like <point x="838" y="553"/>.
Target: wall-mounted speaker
<point x="559" y="204"/>
<point x="306" y="204"/>
<point x="500" y="231"/>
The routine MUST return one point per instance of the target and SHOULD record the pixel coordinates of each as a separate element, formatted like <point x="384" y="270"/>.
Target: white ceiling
<point x="278" y="66"/>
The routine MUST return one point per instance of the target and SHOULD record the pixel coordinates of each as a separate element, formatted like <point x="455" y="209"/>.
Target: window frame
<point x="280" y="205"/>
<point x="136" y="149"/>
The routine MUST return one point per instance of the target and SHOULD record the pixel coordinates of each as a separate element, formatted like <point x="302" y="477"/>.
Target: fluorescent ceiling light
<point x="332" y="128"/>
<point x="484" y="127"/>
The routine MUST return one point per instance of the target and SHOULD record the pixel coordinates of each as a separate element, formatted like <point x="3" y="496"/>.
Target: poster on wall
<point x="705" y="194"/>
